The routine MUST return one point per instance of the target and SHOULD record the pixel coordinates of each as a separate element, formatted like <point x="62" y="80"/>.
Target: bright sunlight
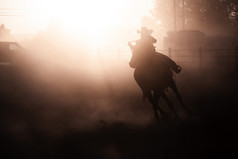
<point x="92" y="18"/>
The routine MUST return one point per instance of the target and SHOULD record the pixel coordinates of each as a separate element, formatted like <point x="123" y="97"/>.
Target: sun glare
<point x="91" y="17"/>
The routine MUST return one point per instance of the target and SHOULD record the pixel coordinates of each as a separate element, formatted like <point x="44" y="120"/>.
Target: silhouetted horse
<point x="154" y="74"/>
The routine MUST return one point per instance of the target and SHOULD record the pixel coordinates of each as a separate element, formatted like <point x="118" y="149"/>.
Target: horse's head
<point x="132" y="62"/>
<point x="139" y="58"/>
<point x="141" y="53"/>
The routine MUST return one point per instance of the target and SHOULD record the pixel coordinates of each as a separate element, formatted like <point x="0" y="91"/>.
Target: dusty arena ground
<point x="55" y="111"/>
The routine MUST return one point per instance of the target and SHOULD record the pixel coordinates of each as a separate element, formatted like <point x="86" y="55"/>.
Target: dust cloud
<point x="63" y="84"/>
<point x="62" y="94"/>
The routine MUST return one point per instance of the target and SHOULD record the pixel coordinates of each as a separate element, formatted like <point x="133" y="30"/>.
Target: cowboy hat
<point x="145" y="31"/>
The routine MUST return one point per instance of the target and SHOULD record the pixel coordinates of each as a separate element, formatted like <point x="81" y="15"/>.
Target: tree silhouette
<point x="200" y="14"/>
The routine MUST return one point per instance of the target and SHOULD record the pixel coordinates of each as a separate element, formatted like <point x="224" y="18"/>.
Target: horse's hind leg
<point x="178" y="95"/>
<point x="163" y="95"/>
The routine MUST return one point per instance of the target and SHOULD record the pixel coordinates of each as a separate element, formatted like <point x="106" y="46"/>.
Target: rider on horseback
<point x="145" y="47"/>
<point x="147" y="40"/>
<point x="153" y="71"/>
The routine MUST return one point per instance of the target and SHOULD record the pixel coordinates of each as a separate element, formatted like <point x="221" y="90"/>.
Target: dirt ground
<point x="62" y="112"/>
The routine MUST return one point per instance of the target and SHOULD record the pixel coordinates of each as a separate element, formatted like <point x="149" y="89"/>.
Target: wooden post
<point x="170" y="55"/>
<point x="175" y="15"/>
<point x="236" y="58"/>
<point x="183" y="15"/>
<point x="200" y="56"/>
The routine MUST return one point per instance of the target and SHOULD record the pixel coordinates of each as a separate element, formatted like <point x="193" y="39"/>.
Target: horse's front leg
<point x="156" y="100"/>
<point x="163" y="95"/>
<point x="155" y="104"/>
<point x="153" y="100"/>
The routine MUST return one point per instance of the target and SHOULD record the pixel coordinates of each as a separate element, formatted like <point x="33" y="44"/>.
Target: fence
<point x="192" y="58"/>
<point x="205" y="58"/>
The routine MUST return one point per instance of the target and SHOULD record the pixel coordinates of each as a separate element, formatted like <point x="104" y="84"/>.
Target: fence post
<point x="200" y="56"/>
<point x="170" y="54"/>
<point x="236" y="58"/>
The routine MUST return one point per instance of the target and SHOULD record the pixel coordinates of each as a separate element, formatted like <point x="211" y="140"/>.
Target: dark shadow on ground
<point x="61" y="119"/>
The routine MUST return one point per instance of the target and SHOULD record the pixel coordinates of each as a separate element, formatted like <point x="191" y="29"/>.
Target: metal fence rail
<point x="204" y="58"/>
<point x="193" y="58"/>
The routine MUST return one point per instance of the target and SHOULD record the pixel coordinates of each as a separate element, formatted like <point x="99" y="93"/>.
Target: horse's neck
<point x="151" y="63"/>
<point x="145" y="64"/>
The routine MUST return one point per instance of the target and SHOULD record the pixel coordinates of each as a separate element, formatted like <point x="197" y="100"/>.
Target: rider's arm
<point x="130" y="45"/>
<point x="153" y="39"/>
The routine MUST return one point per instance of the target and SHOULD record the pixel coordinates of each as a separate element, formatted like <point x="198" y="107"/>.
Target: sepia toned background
<point x="67" y="90"/>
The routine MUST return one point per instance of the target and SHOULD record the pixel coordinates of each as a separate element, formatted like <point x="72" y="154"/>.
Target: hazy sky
<point x="30" y="16"/>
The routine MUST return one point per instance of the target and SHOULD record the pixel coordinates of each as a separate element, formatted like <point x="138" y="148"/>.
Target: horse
<point x="154" y="75"/>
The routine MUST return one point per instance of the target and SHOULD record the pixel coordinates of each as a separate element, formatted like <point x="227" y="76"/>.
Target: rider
<point x="145" y="44"/>
<point x="147" y="39"/>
